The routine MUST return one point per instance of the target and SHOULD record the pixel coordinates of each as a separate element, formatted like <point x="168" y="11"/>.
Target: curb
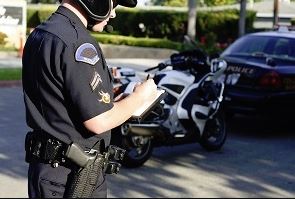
<point x="117" y="51"/>
<point x="10" y="83"/>
<point x="9" y="55"/>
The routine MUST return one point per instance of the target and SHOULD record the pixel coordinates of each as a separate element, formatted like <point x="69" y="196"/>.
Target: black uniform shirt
<point x="65" y="79"/>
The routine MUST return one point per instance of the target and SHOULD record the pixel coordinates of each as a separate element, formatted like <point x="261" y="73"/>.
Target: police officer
<point x="68" y="93"/>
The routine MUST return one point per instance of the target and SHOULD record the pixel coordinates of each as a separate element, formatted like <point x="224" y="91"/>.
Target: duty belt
<point x="44" y="148"/>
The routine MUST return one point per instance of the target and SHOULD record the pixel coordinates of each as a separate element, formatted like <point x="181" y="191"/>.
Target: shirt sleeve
<point x="86" y="85"/>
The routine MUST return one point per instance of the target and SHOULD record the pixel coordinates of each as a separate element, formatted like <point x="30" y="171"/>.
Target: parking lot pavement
<point x="257" y="160"/>
<point x="13" y="169"/>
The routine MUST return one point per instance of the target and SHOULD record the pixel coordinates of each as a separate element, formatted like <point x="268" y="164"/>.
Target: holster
<point x="83" y="180"/>
<point x="86" y="166"/>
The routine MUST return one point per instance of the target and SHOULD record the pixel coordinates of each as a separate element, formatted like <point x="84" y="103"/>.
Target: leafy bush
<point x="137" y="41"/>
<point x="172" y="24"/>
<point x="219" y="2"/>
<point x="3" y="36"/>
<point x="158" y="23"/>
<point x="38" y="13"/>
<point x="33" y="19"/>
<point x="162" y="28"/>
<point x="45" y="13"/>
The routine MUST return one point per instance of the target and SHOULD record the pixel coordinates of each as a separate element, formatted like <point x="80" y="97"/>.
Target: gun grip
<point x="78" y="156"/>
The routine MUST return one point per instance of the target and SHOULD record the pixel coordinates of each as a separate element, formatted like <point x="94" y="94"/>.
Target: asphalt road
<point x="256" y="161"/>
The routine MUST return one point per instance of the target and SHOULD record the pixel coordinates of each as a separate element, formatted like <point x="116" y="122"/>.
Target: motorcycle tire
<point x="215" y="134"/>
<point x="136" y="154"/>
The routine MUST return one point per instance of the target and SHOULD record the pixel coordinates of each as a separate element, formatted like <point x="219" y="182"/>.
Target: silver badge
<point x="87" y="53"/>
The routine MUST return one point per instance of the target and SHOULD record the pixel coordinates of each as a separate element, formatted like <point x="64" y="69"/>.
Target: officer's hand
<point x="147" y="90"/>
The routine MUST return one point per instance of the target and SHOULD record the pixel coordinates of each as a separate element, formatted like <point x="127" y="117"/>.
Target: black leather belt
<point x="44" y="148"/>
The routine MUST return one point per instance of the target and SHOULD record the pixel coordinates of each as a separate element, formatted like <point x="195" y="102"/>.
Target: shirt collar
<point x="75" y="20"/>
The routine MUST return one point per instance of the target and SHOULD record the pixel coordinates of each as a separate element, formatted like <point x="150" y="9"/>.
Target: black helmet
<point x="99" y="10"/>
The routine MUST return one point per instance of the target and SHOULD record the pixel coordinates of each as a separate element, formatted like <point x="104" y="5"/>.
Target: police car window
<point x="278" y="47"/>
<point x="248" y="45"/>
<point x="281" y="47"/>
<point x="284" y="48"/>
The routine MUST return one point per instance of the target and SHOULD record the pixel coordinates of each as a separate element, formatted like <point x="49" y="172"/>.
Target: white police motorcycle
<point x="190" y="112"/>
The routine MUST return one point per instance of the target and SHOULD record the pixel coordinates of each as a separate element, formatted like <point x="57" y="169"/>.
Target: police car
<point x="260" y="77"/>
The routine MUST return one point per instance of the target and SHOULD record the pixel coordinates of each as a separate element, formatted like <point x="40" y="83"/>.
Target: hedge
<point x="38" y="13"/>
<point x="3" y="36"/>
<point x="137" y="41"/>
<point x="173" y="24"/>
<point x="167" y="24"/>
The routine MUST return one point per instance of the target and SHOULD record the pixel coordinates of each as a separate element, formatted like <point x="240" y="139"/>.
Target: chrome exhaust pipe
<point x="142" y="129"/>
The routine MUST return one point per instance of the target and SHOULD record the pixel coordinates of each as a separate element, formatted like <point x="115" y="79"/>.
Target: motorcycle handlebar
<point x="161" y="66"/>
<point x="149" y="69"/>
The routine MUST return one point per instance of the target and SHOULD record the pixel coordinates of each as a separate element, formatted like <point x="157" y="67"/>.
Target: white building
<point x="13" y="22"/>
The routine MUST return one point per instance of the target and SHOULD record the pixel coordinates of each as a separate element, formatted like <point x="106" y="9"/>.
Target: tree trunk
<point x="192" y="17"/>
<point x="242" y="20"/>
<point x="276" y="12"/>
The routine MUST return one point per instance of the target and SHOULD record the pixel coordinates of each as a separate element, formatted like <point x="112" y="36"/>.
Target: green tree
<point x="192" y="15"/>
<point x="242" y="20"/>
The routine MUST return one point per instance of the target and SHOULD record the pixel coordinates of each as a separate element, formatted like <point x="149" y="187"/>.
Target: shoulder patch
<point x="87" y="53"/>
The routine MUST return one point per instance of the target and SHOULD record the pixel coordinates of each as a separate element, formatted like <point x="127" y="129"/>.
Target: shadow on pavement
<point x="256" y="161"/>
<point x="12" y="133"/>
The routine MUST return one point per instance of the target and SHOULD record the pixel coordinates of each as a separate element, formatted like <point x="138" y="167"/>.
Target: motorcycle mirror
<point x="218" y="65"/>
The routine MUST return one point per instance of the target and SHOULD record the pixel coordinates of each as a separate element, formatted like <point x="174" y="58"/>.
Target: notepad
<point x="149" y="105"/>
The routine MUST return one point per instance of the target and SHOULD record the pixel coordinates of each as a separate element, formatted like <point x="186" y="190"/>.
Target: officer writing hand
<point x="147" y="90"/>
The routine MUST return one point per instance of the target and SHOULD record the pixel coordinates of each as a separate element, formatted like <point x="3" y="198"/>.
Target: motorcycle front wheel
<point x="215" y="134"/>
<point x="138" y="148"/>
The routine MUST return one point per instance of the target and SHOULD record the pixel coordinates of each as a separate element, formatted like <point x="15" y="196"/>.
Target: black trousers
<point x="44" y="181"/>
